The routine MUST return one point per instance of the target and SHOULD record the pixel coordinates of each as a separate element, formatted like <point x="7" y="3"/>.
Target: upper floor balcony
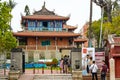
<point x="45" y="29"/>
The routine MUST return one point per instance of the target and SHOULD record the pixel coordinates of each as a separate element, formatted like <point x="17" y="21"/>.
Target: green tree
<point x="110" y="9"/>
<point x="11" y="4"/>
<point x="27" y="10"/>
<point x="96" y="30"/>
<point x="6" y="38"/>
<point x="108" y="28"/>
<point x="108" y="6"/>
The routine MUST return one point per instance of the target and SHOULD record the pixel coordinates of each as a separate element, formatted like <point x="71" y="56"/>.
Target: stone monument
<point x="76" y="63"/>
<point x="112" y="69"/>
<point x="17" y="63"/>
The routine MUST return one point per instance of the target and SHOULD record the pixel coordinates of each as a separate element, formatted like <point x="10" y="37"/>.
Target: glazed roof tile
<point x="45" y="17"/>
<point x="44" y="14"/>
<point x="47" y="34"/>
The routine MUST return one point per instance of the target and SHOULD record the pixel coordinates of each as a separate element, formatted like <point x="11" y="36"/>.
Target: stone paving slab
<point x="53" y="77"/>
<point x="46" y="77"/>
<point x="26" y="77"/>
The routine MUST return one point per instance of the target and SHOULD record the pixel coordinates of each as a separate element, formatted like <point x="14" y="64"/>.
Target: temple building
<point x="44" y="34"/>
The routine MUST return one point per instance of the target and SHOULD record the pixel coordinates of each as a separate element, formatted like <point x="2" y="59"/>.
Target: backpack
<point x="65" y="60"/>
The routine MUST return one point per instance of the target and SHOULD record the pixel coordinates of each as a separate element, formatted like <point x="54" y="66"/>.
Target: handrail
<point x="38" y="47"/>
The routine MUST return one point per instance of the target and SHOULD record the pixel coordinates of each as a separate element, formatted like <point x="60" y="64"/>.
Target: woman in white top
<point x="94" y="69"/>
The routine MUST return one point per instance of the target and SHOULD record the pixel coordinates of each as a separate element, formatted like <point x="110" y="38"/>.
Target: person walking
<point x="94" y="69"/>
<point x="103" y="70"/>
<point x="65" y="63"/>
<point x="87" y="62"/>
<point x="61" y="65"/>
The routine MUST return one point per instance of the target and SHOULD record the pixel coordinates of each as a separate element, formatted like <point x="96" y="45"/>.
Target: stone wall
<point x="17" y="60"/>
<point x="41" y="54"/>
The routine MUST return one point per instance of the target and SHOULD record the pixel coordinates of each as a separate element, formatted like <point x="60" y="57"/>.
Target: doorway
<point x="45" y="24"/>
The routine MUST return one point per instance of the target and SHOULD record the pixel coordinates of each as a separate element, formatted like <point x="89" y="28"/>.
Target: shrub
<point x="54" y="62"/>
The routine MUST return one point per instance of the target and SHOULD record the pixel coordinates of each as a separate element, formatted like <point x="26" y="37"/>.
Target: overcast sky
<point x="78" y="9"/>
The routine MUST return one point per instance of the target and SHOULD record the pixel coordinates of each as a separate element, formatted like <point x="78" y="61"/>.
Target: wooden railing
<point x="34" y="47"/>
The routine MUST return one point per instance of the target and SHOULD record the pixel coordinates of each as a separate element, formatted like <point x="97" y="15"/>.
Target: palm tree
<point x="11" y="4"/>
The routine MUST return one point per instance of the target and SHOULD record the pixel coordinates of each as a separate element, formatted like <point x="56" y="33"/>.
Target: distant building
<point x="84" y="33"/>
<point x="45" y="34"/>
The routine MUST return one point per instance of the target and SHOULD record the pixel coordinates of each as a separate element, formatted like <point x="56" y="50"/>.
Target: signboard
<point x="88" y="51"/>
<point x="85" y="52"/>
<point x="99" y="56"/>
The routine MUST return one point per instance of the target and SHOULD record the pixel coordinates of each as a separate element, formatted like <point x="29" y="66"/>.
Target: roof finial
<point x="44" y="5"/>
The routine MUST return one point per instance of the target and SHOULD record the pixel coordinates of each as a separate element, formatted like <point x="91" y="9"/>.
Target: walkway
<point x="53" y="77"/>
<point x="26" y="77"/>
<point x="46" y="76"/>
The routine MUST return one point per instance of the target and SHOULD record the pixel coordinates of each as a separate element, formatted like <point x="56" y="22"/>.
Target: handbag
<point x="103" y="73"/>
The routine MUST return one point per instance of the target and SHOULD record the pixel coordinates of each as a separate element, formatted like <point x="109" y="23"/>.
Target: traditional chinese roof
<point x="44" y="11"/>
<point x="113" y="39"/>
<point x="44" y="14"/>
<point x="69" y="27"/>
<point x="45" y="17"/>
<point x="116" y="39"/>
<point x="46" y="34"/>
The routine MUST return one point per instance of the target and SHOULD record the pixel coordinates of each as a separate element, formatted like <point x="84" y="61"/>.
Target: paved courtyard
<point x="28" y="75"/>
<point x="46" y="77"/>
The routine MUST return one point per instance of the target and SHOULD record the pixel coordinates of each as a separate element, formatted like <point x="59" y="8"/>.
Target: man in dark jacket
<point x="103" y="70"/>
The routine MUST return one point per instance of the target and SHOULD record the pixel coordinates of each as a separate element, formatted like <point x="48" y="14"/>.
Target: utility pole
<point x="102" y="4"/>
<point x="90" y="24"/>
<point x="100" y="40"/>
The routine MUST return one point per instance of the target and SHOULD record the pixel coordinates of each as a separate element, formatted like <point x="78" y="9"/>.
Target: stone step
<point x="3" y="77"/>
<point x="53" y="77"/>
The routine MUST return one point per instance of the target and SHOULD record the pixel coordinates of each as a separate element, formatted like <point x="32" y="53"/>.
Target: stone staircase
<point x="3" y="77"/>
<point x="53" y="77"/>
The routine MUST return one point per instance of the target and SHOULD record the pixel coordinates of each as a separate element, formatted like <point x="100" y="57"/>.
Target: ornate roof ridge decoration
<point x="69" y="26"/>
<point x="44" y="11"/>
